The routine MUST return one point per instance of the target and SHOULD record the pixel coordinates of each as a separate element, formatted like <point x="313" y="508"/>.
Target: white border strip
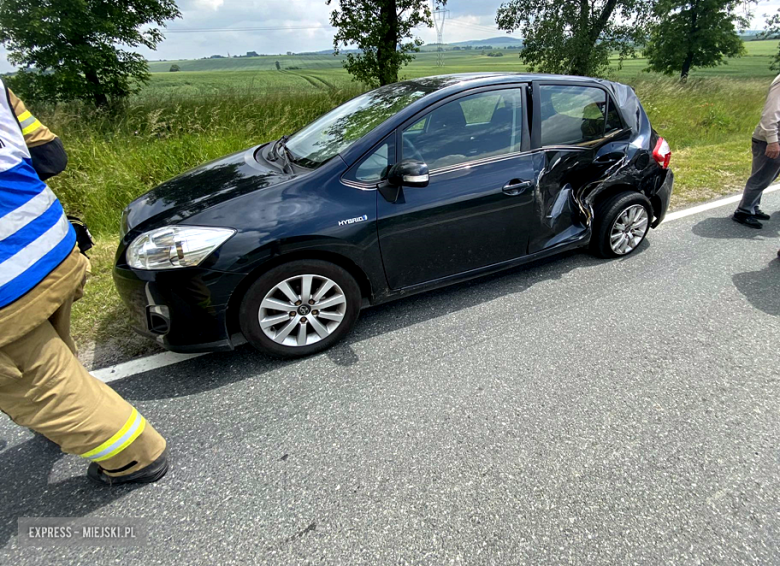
<point x="710" y="205"/>
<point x="126" y="369"/>
<point x="120" y="371"/>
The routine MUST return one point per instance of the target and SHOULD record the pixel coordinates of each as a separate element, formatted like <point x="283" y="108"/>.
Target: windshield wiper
<point x="282" y="143"/>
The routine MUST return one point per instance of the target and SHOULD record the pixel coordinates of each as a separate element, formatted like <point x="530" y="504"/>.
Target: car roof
<point x="470" y="80"/>
<point x="443" y="86"/>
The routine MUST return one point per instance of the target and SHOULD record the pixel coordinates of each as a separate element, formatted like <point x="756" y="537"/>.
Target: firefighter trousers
<point x="44" y="387"/>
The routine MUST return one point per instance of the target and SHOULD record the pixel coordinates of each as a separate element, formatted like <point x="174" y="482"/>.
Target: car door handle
<point x="516" y="187"/>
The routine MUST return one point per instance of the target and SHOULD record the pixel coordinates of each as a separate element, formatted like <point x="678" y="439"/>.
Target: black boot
<point x="746" y="219"/>
<point x="761" y="215"/>
<point x="149" y="474"/>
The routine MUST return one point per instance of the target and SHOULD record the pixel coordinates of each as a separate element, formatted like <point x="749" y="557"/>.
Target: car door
<point x="580" y="135"/>
<point x="478" y="208"/>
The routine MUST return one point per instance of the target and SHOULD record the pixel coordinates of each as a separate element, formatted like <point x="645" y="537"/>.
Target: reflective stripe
<point x="23" y="259"/>
<point x="24" y="122"/>
<point x="32" y="127"/>
<point x="28" y="122"/>
<point x="133" y="428"/>
<point x="22" y="216"/>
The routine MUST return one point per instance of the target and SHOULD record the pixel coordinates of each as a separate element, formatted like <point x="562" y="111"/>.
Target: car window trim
<point x="536" y="129"/>
<point x="525" y="143"/>
<point x="479" y="162"/>
<point x="348" y="177"/>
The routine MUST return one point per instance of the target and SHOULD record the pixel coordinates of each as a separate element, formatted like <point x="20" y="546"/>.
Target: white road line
<point x="710" y="205"/>
<point x="126" y="369"/>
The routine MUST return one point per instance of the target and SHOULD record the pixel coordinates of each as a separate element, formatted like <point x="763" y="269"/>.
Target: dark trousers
<point x="764" y="172"/>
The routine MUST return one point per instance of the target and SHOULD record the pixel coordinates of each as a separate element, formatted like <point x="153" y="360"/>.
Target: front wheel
<point x="621" y="224"/>
<point x="300" y="308"/>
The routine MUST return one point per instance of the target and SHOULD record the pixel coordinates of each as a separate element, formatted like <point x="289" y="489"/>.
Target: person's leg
<point x="44" y="387"/>
<point x="764" y="172"/>
<point x="60" y="321"/>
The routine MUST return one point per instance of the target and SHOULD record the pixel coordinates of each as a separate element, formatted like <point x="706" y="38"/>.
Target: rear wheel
<point x="300" y="308"/>
<point x="621" y="224"/>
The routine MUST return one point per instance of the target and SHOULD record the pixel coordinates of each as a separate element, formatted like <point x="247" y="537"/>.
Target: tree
<point x="575" y="36"/>
<point x="175" y="68"/>
<point x="278" y="66"/>
<point x="383" y="31"/>
<point x="71" y="48"/>
<point x="772" y="31"/>
<point x="694" y="33"/>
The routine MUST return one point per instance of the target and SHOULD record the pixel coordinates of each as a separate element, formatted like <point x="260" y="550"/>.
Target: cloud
<point x="209" y="4"/>
<point x="185" y="38"/>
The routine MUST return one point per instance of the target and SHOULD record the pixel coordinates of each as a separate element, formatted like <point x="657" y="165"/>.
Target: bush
<point x="175" y="69"/>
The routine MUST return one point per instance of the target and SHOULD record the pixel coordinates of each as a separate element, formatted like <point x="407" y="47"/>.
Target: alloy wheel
<point x="629" y="229"/>
<point x="302" y="310"/>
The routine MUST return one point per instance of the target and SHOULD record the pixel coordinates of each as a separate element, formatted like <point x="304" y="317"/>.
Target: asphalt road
<point x="576" y="411"/>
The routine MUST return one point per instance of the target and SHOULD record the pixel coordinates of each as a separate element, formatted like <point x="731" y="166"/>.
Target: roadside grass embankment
<point x="117" y="156"/>
<point x="709" y="123"/>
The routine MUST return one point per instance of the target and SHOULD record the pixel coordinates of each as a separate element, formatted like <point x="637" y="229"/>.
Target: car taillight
<point x="662" y="153"/>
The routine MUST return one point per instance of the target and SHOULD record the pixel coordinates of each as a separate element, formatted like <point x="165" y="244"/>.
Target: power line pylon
<point x="439" y="17"/>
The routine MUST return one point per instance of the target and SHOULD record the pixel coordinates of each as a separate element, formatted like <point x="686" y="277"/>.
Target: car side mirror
<point x="409" y="173"/>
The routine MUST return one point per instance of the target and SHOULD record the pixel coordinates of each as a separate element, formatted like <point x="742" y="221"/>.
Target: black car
<point x="413" y="186"/>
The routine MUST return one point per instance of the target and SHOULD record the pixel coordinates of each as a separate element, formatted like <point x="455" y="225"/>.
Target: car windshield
<point x="340" y="128"/>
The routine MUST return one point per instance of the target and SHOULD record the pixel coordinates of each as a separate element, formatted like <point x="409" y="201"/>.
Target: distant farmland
<point x="264" y="63"/>
<point x="324" y="72"/>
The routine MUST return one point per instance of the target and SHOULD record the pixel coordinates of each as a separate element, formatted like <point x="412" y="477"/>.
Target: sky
<point x="188" y="38"/>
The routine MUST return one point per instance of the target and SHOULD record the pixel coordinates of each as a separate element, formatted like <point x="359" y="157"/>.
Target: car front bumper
<point x="182" y="310"/>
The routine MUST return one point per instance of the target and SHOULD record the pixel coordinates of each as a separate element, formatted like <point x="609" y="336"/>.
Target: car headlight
<point x="172" y="247"/>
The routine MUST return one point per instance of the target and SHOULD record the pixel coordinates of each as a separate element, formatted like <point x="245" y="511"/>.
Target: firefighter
<point x="43" y="386"/>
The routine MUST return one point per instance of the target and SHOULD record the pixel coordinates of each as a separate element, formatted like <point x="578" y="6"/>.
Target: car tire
<point x="262" y="304"/>
<point x="606" y="240"/>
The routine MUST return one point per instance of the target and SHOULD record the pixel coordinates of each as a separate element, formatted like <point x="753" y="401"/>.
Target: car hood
<point x="198" y="189"/>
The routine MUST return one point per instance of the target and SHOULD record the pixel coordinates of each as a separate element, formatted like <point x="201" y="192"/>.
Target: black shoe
<point x="760" y="214"/>
<point x="149" y="474"/>
<point x="746" y="219"/>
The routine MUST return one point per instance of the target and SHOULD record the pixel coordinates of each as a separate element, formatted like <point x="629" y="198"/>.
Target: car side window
<point x="575" y="115"/>
<point x="469" y="128"/>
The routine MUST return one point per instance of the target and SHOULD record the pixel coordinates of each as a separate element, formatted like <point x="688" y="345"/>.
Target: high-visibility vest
<point x="35" y="235"/>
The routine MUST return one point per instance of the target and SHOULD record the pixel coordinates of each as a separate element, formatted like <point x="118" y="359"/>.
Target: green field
<point x="259" y="74"/>
<point x="264" y="63"/>
<point x="257" y="83"/>
<point x="220" y="106"/>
